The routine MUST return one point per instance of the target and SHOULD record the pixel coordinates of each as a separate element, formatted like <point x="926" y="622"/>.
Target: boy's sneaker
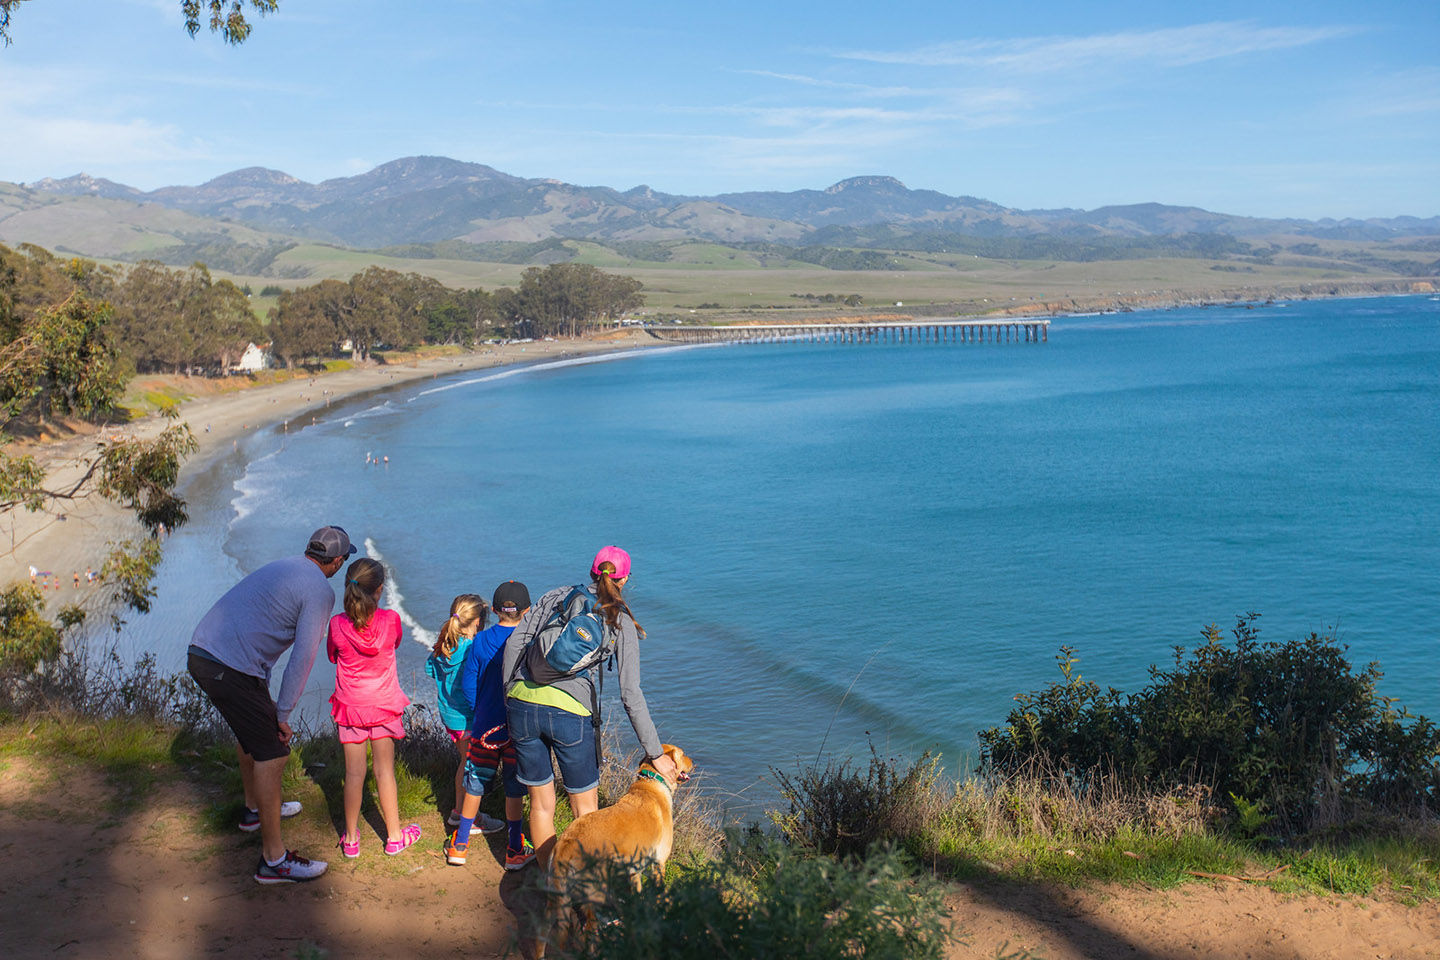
<point x="292" y="869"/>
<point x="489" y="824"/>
<point x="516" y="859"/>
<point x="250" y="819"/>
<point x="454" y="819"/>
<point x="455" y="852"/>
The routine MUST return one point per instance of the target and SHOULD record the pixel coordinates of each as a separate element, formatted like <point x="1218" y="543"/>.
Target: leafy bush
<point x="1288" y="728"/>
<point x="761" y="898"/>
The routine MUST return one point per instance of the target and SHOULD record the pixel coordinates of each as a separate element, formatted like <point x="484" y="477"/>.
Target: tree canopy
<point x="59" y="357"/>
<point x="226" y="17"/>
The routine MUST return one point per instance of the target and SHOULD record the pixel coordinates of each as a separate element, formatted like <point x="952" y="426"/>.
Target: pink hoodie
<point x="367" y="687"/>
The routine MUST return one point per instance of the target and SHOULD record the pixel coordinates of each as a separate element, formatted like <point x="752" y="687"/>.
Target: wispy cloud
<point x="864" y="89"/>
<point x="54" y="126"/>
<point x="1172" y="46"/>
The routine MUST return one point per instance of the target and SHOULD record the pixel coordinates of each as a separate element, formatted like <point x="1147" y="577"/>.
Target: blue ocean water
<point x="835" y="545"/>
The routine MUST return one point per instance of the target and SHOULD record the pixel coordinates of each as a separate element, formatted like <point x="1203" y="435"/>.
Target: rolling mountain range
<point x="434" y="207"/>
<point x="429" y="199"/>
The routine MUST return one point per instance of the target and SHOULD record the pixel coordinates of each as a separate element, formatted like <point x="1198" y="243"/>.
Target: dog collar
<point x="655" y="775"/>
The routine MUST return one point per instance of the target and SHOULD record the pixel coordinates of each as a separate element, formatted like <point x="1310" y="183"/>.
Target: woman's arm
<point x="627" y="652"/>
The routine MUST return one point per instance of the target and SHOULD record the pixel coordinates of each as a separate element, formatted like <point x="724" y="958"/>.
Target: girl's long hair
<point x="465" y="609"/>
<point x="612" y="604"/>
<point x="364" y="578"/>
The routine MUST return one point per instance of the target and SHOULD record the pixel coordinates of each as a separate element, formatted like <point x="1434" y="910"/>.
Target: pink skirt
<point x="389" y="730"/>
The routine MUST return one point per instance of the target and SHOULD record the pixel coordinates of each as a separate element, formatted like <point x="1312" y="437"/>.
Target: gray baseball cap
<point x="327" y="543"/>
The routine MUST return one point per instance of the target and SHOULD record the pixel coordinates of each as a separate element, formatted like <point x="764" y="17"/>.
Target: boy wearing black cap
<point x="490" y="746"/>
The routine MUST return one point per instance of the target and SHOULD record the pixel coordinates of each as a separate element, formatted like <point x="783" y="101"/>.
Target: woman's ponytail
<point x="612" y="603"/>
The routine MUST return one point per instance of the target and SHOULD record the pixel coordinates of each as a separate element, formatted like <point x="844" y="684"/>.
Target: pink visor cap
<point x="613" y="555"/>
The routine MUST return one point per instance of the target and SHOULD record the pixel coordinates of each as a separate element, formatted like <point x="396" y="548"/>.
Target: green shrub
<point x="761" y="898"/>
<point x="1287" y="729"/>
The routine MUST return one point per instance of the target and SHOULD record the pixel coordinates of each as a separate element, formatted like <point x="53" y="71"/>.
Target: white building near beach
<point x="254" y="358"/>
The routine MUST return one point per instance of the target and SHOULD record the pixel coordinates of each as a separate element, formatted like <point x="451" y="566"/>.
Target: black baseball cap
<point x="328" y="543"/>
<point x="510" y="597"/>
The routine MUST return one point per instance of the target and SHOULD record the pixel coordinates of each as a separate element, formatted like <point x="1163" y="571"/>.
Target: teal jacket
<point x="449" y="696"/>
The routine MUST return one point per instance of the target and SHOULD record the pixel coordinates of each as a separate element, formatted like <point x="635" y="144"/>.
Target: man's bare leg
<point x="247" y="775"/>
<point x="267" y="776"/>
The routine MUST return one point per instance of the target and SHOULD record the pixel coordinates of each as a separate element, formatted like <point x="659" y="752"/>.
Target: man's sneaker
<point x="489" y="824"/>
<point x="455" y="852"/>
<point x="516" y="859"/>
<point x="250" y="819"/>
<point x="292" y="869"/>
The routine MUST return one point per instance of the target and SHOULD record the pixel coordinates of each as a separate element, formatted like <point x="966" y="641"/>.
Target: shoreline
<point x="71" y="537"/>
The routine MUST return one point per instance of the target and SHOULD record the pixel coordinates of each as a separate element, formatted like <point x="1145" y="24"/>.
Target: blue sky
<point x="1259" y="108"/>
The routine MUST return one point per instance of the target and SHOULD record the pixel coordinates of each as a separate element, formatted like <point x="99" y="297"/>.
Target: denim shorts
<point x="536" y="729"/>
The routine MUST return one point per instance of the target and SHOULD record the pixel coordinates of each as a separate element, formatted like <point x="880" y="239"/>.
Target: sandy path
<point x="156" y="883"/>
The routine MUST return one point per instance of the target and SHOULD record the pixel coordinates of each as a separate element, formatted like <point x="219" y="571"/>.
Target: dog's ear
<point x="683" y="761"/>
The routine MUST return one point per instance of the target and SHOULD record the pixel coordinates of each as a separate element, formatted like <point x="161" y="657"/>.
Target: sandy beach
<point x="72" y="536"/>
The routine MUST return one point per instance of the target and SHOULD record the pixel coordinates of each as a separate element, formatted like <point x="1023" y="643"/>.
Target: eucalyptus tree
<point x="567" y="298"/>
<point x="58" y="358"/>
<point x="305" y="323"/>
<point x="226" y="17"/>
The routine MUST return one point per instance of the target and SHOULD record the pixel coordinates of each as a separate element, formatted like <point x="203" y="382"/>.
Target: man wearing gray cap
<point x="283" y="605"/>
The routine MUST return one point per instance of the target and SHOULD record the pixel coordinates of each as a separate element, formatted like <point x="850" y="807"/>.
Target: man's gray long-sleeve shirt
<point x="283" y="604"/>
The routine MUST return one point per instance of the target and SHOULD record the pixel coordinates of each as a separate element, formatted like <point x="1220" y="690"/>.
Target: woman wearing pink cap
<point x="562" y="715"/>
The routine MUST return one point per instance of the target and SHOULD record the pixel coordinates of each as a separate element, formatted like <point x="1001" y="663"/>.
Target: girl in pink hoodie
<point x="368" y="702"/>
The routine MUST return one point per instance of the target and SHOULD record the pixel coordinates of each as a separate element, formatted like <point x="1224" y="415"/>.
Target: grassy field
<point x="737" y="280"/>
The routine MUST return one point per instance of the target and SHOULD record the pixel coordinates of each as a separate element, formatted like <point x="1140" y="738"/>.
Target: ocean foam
<point x="395" y="600"/>
<point x="251" y="489"/>
<point x="558" y="364"/>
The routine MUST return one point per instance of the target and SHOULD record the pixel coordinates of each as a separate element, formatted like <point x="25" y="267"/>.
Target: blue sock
<point x="517" y="839"/>
<point x="462" y="832"/>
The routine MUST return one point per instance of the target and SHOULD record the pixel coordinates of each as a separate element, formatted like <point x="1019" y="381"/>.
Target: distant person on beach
<point x="491" y="750"/>
<point x="564" y="715"/>
<point x="368" y="702"/>
<point x="467" y="617"/>
<point x="282" y="606"/>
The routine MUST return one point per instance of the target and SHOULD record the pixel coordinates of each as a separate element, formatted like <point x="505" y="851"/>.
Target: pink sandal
<point x="408" y="836"/>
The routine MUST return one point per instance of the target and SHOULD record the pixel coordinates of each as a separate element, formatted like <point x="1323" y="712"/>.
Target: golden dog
<point x="634" y="833"/>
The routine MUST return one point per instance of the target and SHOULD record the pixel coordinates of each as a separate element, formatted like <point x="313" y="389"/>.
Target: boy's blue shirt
<point x="480" y="678"/>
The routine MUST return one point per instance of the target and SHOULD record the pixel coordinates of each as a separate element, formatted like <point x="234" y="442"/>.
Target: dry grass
<point x="1035" y="803"/>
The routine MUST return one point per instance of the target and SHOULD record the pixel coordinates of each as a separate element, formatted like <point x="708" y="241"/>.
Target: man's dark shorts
<point x="244" y="701"/>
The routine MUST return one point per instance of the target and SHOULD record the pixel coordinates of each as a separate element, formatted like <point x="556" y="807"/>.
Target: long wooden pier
<point x="947" y="330"/>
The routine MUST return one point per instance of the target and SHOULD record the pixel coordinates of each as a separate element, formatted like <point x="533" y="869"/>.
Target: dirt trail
<point x="157" y="882"/>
